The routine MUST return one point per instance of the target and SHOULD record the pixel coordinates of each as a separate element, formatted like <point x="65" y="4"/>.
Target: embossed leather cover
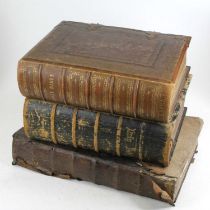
<point x="105" y="68"/>
<point x="147" y="180"/>
<point x="130" y="52"/>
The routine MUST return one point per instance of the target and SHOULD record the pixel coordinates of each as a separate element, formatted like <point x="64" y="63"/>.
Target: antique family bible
<point x="123" y="174"/>
<point x="110" y="69"/>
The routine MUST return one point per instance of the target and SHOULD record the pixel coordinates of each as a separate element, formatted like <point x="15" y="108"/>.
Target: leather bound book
<point x="123" y="174"/>
<point x="110" y="69"/>
<point x="101" y="132"/>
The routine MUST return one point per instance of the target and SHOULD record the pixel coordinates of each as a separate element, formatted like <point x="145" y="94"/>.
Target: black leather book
<point x="102" y="132"/>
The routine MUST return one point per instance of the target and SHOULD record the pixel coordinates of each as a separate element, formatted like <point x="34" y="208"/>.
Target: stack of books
<point x="106" y="105"/>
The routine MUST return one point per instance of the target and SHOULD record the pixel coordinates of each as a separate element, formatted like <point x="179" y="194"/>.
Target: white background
<point x="23" y="23"/>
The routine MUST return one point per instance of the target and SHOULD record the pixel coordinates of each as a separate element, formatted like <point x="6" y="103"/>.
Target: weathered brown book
<point x="118" y="70"/>
<point x="155" y="182"/>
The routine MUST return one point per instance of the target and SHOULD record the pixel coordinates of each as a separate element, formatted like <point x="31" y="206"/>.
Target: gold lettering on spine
<point x="118" y="89"/>
<point x="130" y="134"/>
<point x="69" y="85"/>
<point x="118" y="135"/>
<point x="51" y="83"/>
<point x="141" y="98"/>
<point x="82" y="89"/>
<point x="25" y="121"/>
<point x="135" y="95"/>
<point x="52" y="123"/>
<point x="111" y="88"/>
<point x="40" y="82"/>
<point x="141" y="140"/>
<point x="63" y="85"/>
<point x="96" y="125"/>
<point x="105" y="97"/>
<point x="73" y="128"/>
<point x="93" y="80"/>
<point x="35" y="85"/>
<point x="75" y="87"/>
<point x="87" y="89"/>
<point x="161" y="110"/>
<point x="129" y="94"/>
<point x="99" y="91"/>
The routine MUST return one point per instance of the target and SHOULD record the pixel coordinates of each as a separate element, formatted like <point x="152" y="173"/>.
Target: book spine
<point x="95" y="90"/>
<point x="98" y="131"/>
<point x="55" y="161"/>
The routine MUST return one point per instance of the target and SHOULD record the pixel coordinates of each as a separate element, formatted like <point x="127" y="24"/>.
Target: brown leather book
<point x="148" y="180"/>
<point x="111" y="69"/>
